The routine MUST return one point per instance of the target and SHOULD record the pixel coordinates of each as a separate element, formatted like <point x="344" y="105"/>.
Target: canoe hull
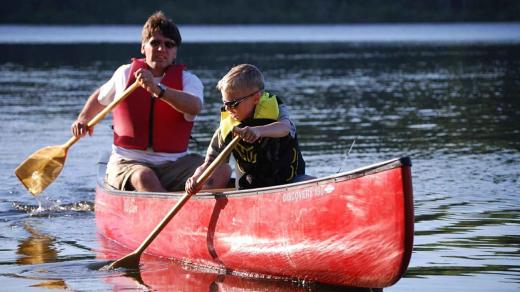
<point x="353" y="229"/>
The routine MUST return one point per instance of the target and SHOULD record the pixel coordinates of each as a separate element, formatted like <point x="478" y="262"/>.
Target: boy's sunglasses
<point x="234" y="103"/>
<point x="167" y="44"/>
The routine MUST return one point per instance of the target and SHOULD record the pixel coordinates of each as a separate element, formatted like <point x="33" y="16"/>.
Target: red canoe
<point x="351" y="229"/>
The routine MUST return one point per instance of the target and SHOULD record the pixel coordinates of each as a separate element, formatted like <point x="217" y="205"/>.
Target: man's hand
<point x="145" y="79"/>
<point x="79" y="128"/>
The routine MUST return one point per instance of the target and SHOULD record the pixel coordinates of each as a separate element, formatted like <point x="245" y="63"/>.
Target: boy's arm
<point x="215" y="147"/>
<point x="278" y="129"/>
<point x="272" y="130"/>
<point x="284" y="117"/>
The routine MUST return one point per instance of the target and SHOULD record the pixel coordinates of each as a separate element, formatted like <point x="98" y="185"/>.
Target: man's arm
<point x="182" y="101"/>
<point x="90" y="109"/>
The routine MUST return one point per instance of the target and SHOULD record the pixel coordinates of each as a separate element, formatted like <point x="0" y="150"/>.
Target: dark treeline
<point x="258" y="11"/>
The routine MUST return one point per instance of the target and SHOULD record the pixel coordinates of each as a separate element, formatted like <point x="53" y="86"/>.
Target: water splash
<point x="40" y="207"/>
<point x="47" y="207"/>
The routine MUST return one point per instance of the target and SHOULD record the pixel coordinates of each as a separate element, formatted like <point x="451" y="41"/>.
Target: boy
<point x="268" y="153"/>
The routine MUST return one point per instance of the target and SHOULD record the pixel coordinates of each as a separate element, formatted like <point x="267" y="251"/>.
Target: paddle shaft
<point x="200" y="180"/>
<point x="103" y="112"/>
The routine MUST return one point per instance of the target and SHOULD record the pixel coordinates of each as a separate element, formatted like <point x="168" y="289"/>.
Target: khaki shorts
<point x="172" y="174"/>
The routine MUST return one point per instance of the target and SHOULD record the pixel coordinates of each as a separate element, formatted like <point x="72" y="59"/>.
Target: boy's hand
<point x="248" y="134"/>
<point x="191" y="187"/>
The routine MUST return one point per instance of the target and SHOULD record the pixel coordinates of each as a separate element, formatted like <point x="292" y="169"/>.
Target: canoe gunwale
<point x="343" y="176"/>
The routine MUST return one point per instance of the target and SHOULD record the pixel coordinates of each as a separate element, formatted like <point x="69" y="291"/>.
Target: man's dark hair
<point x="159" y="22"/>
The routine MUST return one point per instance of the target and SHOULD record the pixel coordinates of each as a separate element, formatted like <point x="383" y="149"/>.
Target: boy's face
<point x="241" y="103"/>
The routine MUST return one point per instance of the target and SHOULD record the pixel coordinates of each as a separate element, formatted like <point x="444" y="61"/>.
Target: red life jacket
<point x="141" y="121"/>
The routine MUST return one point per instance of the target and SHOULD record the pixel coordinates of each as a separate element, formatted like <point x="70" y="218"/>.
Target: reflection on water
<point x="36" y="249"/>
<point x="39" y="248"/>
<point x="52" y="284"/>
<point x="454" y="109"/>
<point x="161" y="275"/>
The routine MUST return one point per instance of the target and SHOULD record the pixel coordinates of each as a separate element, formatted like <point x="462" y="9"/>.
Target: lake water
<point x="459" y="33"/>
<point x="449" y="101"/>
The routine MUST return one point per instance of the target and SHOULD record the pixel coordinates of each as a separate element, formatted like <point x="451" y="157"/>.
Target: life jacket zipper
<point x="150" y="123"/>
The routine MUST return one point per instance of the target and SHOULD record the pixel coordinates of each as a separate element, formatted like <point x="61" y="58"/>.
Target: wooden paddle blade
<point x="130" y="261"/>
<point x="41" y="168"/>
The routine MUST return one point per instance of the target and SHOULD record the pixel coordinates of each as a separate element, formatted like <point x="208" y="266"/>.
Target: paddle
<point x="131" y="260"/>
<point x="41" y="168"/>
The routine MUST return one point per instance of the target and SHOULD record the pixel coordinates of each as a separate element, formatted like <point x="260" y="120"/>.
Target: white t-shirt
<point x="117" y="84"/>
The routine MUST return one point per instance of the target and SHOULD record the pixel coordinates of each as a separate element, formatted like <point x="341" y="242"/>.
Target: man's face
<point x="159" y="51"/>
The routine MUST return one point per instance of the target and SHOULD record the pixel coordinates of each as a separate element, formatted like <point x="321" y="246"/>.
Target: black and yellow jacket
<point x="268" y="161"/>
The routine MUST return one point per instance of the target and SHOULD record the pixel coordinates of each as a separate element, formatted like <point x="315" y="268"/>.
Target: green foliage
<point x="266" y="11"/>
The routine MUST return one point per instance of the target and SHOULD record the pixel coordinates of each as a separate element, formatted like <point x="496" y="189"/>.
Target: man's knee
<point x="141" y="176"/>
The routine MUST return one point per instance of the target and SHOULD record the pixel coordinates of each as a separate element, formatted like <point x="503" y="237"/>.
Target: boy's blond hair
<point x="241" y="77"/>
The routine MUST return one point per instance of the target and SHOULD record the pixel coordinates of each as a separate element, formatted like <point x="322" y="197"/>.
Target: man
<point x="152" y="125"/>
